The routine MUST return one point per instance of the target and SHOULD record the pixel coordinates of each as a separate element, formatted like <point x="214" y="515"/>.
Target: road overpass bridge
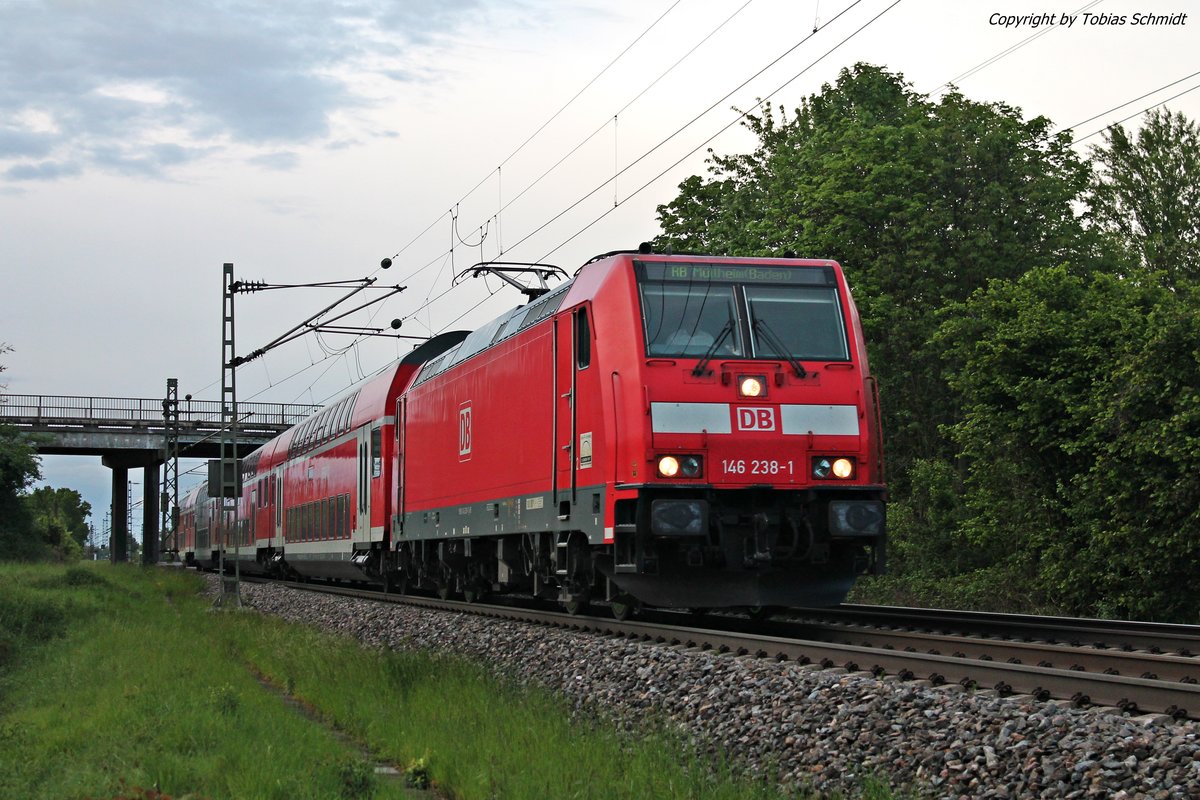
<point x="130" y="432"/>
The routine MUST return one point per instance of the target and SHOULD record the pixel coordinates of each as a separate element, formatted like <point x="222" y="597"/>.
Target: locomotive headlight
<point x="752" y="386"/>
<point x="680" y="467"/>
<point x="840" y="468"/>
<point x="668" y="466"/>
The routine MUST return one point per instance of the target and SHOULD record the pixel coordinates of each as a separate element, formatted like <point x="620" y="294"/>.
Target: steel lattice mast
<point x="230" y="469"/>
<point x="169" y="504"/>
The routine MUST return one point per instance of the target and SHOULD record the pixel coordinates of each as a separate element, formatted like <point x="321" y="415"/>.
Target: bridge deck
<point x="105" y="425"/>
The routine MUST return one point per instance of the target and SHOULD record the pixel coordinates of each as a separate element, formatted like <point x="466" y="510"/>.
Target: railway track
<point x="1126" y="666"/>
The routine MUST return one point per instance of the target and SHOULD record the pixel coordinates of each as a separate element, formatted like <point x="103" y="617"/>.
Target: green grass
<point x="124" y="682"/>
<point x="131" y="698"/>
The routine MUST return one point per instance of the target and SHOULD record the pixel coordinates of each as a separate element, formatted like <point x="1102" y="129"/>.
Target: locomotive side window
<point x="686" y="319"/>
<point x="583" y="340"/>
<point x="805" y="320"/>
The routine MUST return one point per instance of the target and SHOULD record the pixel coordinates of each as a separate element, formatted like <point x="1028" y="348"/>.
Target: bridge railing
<point x="45" y="408"/>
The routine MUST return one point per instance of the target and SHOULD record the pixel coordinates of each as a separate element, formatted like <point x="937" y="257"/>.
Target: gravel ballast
<point x="823" y="729"/>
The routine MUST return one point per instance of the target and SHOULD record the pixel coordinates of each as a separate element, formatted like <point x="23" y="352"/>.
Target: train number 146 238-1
<point x="756" y="466"/>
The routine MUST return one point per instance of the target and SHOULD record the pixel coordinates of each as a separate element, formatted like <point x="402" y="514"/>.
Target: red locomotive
<point x="678" y="431"/>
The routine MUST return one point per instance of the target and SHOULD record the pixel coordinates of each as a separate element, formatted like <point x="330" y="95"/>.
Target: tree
<point x="19" y="468"/>
<point x="1081" y="439"/>
<point x="1146" y="194"/>
<point x="59" y="518"/>
<point x="921" y="202"/>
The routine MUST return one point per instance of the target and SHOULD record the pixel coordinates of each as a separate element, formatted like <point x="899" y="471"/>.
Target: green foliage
<point x="59" y="519"/>
<point x="921" y="202"/>
<point x="1081" y="438"/>
<point x="1147" y="191"/>
<point x="416" y="774"/>
<point x="356" y="776"/>
<point x="19" y="468"/>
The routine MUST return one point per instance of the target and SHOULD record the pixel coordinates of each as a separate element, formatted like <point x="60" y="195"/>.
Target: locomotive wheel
<point x="624" y="607"/>
<point x="443" y="591"/>
<point x="759" y="613"/>
<point x="577" y="604"/>
<point x="474" y="592"/>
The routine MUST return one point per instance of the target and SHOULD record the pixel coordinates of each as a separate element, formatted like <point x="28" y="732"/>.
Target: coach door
<point x="277" y="504"/>
<point x="362" y="525"/>
<point x="398" y="470"/>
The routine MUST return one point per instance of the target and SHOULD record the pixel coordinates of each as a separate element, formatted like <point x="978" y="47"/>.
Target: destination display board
<point x="735" y="273"/>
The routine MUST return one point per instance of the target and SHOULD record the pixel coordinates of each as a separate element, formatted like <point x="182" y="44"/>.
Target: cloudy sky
<point x="143" y="144"/>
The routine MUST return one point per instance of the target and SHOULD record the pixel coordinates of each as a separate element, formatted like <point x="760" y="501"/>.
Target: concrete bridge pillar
<point x="150" y="513"/>
<point x="120" y="464"/>
<point x="119" y="541"/>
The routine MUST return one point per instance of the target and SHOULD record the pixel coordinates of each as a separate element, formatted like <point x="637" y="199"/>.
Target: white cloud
<point x="252" y="74"/>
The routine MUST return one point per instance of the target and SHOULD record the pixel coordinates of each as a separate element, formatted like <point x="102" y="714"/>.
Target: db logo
<point x="464" y="432"/>
<point x="756" y="419"/>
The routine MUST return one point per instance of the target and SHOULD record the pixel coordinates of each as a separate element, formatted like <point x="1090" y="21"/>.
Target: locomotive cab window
<point x="687" y="320"/>
<point x="798" y="321"/>
<point x="693" y="310"/>
<point x="583" y="340"/>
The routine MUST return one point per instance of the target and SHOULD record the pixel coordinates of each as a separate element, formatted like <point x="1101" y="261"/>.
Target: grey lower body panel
<point x="338" y="566"/>
<point x="534" y="513"/>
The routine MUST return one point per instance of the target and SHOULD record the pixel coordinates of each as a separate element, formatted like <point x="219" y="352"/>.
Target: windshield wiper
<point x="761" y="326"/>
<point x="712" y="348"/>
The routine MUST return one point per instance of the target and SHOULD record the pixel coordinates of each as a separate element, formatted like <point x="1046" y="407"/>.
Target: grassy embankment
<point x="122" y="682"/>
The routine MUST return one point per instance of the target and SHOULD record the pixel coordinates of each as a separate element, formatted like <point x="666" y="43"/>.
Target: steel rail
<point x="1133" y="694"/>
<point x="1152" y="636"/>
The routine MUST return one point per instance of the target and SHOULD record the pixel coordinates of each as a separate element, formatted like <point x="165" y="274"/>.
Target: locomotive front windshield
<point x="741" y="311"/>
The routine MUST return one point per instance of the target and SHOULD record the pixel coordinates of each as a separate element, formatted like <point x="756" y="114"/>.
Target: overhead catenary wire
<point x="545" y="124"/>
<point x="724" y="128"/>
<point x="542" y="127"/>
<point x="430" y="299"/>
<point x="1136" y="114"/>
<point x="625" y="107"/>
<point x="1130" y="102"/>
<point x="453" y="212"/>
<point x="1008" y="51"/>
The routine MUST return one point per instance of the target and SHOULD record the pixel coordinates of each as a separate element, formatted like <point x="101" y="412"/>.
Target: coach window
<point x="376" y="452"/>
<point x="583" y="340"/>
